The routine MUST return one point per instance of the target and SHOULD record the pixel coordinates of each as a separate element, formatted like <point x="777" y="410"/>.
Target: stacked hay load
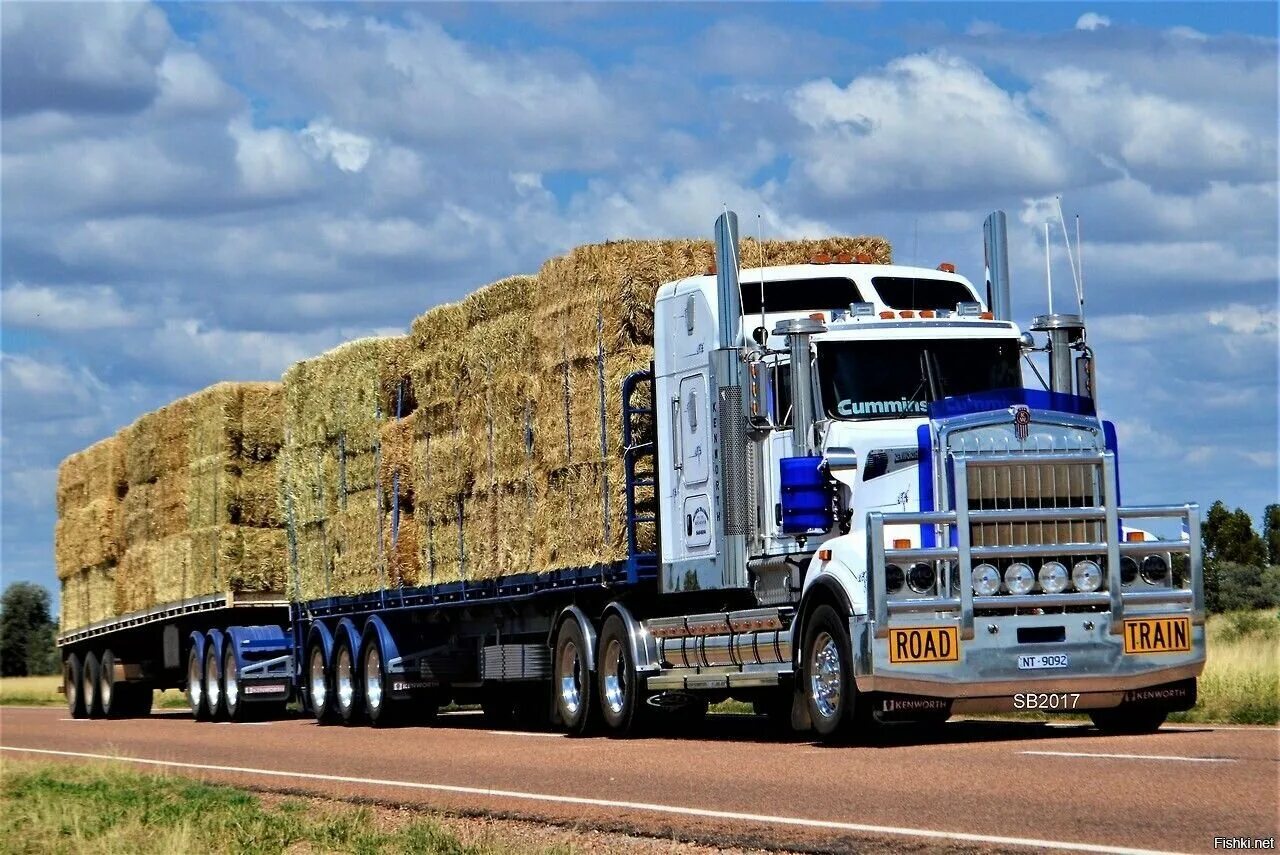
<point x="88" y="536"/>
<point x="332" y="488"/>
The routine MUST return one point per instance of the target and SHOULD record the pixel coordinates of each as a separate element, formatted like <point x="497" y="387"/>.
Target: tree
<point x="1271" y="532"/>
<point x="25" y="631"/>
<point x="1229" y="536"/>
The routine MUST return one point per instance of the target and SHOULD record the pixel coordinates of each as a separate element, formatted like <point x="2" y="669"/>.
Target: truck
<point x="862" y="515"/>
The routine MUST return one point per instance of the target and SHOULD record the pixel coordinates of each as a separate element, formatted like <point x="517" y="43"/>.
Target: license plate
<point x="1043" y="660"/>
<point x="1157" y="635"/>
<point x="924" y="644"/>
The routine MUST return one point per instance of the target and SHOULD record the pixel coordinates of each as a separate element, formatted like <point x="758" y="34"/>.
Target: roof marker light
<point x="947" y="267"/>
<point x="862" y="258"/>
<point x="886" y="315"/>
<point x="906" y="313"/>
<point x="987" y="316"/>
<point x="926" y="313"/>
<point x="844" y="257"/>
<point x="820" y="258"/>
<point x="820" y="317"/>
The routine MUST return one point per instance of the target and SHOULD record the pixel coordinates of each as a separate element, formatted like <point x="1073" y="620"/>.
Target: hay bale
<point x="95" y="473"/>
<point x="87" y="536"/>
<point x="100" y="594"/>
<point x="261" y="421"/>
<point x="73" y="606"/>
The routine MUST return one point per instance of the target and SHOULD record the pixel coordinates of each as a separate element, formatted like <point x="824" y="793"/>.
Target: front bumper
<point x="986" y="665"/>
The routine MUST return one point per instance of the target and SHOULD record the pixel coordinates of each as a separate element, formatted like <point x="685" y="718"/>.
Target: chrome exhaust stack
<point x="995" y="253"/>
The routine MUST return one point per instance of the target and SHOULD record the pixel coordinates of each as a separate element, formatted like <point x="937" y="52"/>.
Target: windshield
<point x="906" y="292"/>
<point x="897" y="379"/>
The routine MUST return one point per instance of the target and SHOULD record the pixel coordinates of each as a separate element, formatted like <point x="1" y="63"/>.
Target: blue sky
<point x="193" y="193"/>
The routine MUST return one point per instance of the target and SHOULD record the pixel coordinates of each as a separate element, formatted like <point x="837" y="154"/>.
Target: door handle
<point x="688" y="525"/>
<point x="677" y="452"/>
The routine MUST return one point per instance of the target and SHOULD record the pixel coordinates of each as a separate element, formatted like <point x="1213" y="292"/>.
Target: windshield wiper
<point x="930" y="375"/>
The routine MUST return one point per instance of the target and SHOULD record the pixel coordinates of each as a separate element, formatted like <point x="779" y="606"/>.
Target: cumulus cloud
<point x="927" y="124"/>
<point x="1092" y="21"/>
<point x="349" y="152"/>
<point x="92" y="307"/>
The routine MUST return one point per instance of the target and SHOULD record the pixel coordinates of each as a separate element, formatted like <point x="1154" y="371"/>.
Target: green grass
<point x="43" y="692"/>
<point x="1241" y="679"/>
<point x="108" y="808"/>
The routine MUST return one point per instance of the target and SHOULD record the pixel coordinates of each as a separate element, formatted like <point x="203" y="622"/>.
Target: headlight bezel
<point x="1019" y="578"/>
<point x="1087" y="568"/>
<point x="1164" y="578"/>
<point x="985" y="573"/>
<point x="1053" y="577"/>
<point x="915" y="573"/>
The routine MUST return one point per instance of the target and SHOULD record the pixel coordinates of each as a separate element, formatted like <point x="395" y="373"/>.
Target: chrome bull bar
<point x="963" y="553"/>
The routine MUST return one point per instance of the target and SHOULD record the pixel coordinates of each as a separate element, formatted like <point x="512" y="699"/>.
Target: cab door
<point x="691" y="422"/>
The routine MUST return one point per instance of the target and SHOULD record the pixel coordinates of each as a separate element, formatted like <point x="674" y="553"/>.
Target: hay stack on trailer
<point x="487" y="442"/>
<point x="182" y="503"/>
<point x="88" y="536"/>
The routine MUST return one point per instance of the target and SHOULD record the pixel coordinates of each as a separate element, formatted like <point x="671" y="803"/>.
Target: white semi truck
<point x="862" y="515"/>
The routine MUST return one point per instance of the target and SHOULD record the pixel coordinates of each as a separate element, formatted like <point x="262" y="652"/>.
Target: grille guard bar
<point x="963" y="552"/>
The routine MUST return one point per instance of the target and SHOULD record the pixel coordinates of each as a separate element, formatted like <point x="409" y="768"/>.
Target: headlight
<point x="1019" y="579"/>
<point x="1128" y="570"/>
<point x="920" y="578"/>
<point x="1086" y="576"/>
<point x="1155" y="570"/>
<point x="893" y="578"/>
<point x="986" y="580"/>
<point x="1053" y="577"/>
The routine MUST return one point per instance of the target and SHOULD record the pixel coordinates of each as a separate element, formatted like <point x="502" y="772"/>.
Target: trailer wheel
<point x="114" y="704"/>
<point x="1130" y="721"/>
<point x="621" y="698"/>
<point x="835" y="707"/>
<point x="89" y="685"/>
<point x="319" y="696"/>
<point x="232" y="701"/>
<point x="213" y="683"/>
<point x="571" y="681"/>
<point x="71" y="678"/>
<point x="195" y="685"/>
<point x="382" y="709"/>
<point x="346" y="682"/>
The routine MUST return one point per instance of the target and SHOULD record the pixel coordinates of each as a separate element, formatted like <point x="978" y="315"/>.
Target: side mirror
<point x="1028" y="342"/>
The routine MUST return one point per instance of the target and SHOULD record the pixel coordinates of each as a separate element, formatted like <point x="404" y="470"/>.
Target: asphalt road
<point x="968" y="786"/>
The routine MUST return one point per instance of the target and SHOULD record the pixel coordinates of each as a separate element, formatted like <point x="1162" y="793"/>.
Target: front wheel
<point x="213" y="682"/>
<point x="232" y="692"/>
<point x="835" y="708"/>
<point x="1129" y="721"/>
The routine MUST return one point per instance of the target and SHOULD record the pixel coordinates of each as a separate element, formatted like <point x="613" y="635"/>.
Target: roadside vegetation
<point x="107" y="808"/>
<point x="43" y="692"/>
<point x="1241" y="679"/>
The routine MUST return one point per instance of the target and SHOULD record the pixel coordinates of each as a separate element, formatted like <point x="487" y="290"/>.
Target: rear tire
<point x="89" y="685"/>
<point x="213" y="683"/>
<point x="232" y="694"/>
<point x="72" y="675"/>
<point x="382" y="709"/>
<point x="622" y="702"/>
<point x="1128" y="721"/>
<point x="571" y="680"/>
<point x="114" y="704"/>
<point x="837" y="710"/>
<point x="319" y="686"/>
<point x="346" y="683"/>
<point x="195" y="685"/>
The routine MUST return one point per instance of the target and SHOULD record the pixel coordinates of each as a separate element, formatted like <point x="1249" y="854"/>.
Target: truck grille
<point x="1032" y="485"/>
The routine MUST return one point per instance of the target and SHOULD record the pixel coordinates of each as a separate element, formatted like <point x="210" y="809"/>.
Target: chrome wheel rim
<point x="195" y="684"/>
<point x="373" y="678"/>
<point x="570" y="668"/>
<point x="212" y="690"/>
<point x="232" y="679"/>
<point x="345" y="680"/>
<point x="86" y="686"/>
<point x="824" y="678"/>
<point x="316" y="682"/>
<point x="615" y="677"/>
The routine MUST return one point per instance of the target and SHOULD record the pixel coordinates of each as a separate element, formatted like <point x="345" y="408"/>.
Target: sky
<point x="195" y="193"/>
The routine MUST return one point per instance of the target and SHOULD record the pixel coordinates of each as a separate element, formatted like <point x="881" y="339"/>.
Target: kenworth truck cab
<point x="918" y="534"/>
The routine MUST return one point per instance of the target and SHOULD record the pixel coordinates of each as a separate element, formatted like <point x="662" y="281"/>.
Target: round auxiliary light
<point x="1128" y="570"/>
<point x="921" y="578"/>
<point x="1053" y="577"/>
<point x="1086" y="576"/>
<point x="893" y="578"/>
<point x="986" y="580"/>
<point x="1019" y="579"/>
<point x="1155" y="570"/>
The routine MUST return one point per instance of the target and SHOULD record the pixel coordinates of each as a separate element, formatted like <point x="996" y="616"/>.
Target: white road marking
<point x="679" y="810"/>
<point x="74" y="719"/>
<point x="1130" y="756"/>
<point x="525" y="733"/>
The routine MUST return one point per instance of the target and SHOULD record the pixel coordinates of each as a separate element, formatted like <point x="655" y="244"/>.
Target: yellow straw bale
<point x="87" y="536"/>
<point x="95" y="473"/>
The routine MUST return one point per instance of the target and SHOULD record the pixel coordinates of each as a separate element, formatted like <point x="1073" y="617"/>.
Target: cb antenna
<point x="1048" y="268"/>
<point x="1071" y="260"/>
